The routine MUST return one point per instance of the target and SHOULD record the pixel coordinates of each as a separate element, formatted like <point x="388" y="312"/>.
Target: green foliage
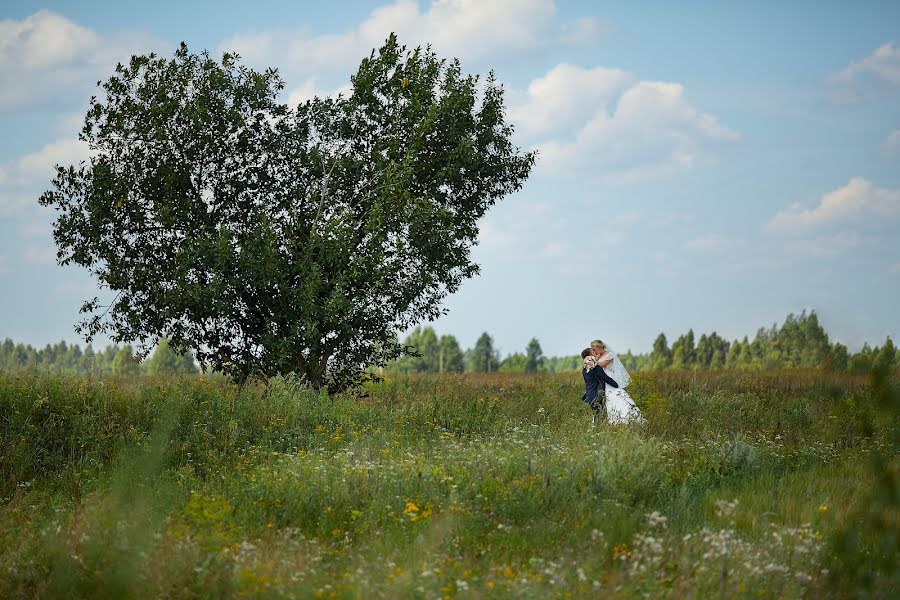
<point x="683" y="352"/>
<point x="534" y="357"/>
<point x="865" y="550"/>
<point x="166" y="361"/>
<point x="433" y="354"/>
<point x="514" y="363"/>
<point x="483" y="358"/>
<point x="125" y="364"/>
<point x="275" y="239"/>
<point x="801" y="342"/>
<point x="661" y="357"/>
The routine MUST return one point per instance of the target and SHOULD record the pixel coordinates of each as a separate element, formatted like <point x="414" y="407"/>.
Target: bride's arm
<point x="605" y="359"/>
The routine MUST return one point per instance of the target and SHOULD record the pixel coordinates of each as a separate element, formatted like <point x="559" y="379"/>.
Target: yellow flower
<point x="823" y="508"/>
<point x="405" y="82"/>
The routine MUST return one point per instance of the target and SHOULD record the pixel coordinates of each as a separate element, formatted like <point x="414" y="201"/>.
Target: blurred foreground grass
<point x="738" y="485"/>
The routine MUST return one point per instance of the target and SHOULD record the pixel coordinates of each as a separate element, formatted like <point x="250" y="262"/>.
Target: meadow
<point x="738" y="485"/>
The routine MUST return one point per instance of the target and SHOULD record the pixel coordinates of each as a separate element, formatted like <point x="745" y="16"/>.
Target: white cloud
<point x="711" y="243"/>
<point x="309" y="89"/>
<point x="649" y="129"/>
<point x="51" y="58"/>
<point x="824" y="246"/>
<point x="24" y="179"/>
<point x="891" y="144"/>
<point x="467" y="29"/>
<point x="60" y="152"/>
<point x="567" y="96"/>
<point x="40" y="255"/>
<point x="877" y="73"/>
<point x="583" y="30"/>
<point x="857" y="201"/>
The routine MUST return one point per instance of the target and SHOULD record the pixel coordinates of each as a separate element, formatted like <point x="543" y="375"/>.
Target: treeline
<point x="433" y="354"/>
<point x="114" y="360"/>
<point x="801" y="342"/>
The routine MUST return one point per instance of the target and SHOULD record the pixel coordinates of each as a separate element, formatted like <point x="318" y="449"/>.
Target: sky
<point x="707" y="165"/>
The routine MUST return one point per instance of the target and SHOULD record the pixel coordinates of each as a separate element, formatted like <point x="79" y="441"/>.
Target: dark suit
<point x="595" y="382"/>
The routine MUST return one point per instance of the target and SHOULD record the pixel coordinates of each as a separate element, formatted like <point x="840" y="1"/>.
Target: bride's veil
<point x="617" y="370"/>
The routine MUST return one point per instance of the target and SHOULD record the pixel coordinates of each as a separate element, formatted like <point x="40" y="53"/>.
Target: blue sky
<point x="713" y="165"/>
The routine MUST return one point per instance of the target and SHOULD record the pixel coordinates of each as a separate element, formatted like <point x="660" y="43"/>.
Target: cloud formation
<point x="857" y="202"/>
<point x="891" y="144"/>
<point x="566" y="97"/>
<point x="22" y="180"/>
<point x="877" y="73"/>
<point x="51" y="59"/>
<point x="608" y="122"/>
<point x="467" y="29"/>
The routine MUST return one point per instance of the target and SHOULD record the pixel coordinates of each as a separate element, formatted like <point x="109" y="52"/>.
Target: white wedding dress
<point x="620" y="408"/>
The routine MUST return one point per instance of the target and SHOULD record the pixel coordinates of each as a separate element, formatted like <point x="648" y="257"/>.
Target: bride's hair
<point x="599" y="343"/>
<point x="585" y="353"/>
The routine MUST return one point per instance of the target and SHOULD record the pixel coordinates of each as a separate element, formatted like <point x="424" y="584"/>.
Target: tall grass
<point x="432" y="486"/>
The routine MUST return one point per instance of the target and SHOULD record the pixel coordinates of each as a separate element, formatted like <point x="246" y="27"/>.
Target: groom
<point x="595" y="379"/>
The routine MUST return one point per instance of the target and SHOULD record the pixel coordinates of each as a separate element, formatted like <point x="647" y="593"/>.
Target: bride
<point x="620" y="408"/>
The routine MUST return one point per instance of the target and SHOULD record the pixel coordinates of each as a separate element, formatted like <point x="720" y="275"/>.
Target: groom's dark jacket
<point x="595" y="381"/>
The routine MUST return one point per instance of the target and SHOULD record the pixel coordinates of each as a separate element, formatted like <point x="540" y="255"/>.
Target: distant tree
<point x="534" y="357"/>
<point x="704" y="352"/>
<point x="451" y="356"/>
<point x="837" y="358"/>
<point x="166" y="360"/>
<point x="861" y="362"/>
<point x="425" y="344"/>
<point x="886" y="356"/>
<point x="558" y="364"/>
<point x="125" y="364"/>
<point x="483" y="357"/>
<point x="720" y="349"/>
<point x="683" y="352"/>
<point x="514" y="363"/>
<point x="271" y="238"/>
<point x="661" y="357"/>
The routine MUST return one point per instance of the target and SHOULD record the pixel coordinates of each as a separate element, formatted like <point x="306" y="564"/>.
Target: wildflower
<point x="724" y="508"/>
<point x="657" y="519"/>
<point x="823" y="508"/>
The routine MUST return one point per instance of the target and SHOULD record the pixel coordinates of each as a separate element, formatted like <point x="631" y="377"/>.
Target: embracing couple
<point x="605" y="380"/>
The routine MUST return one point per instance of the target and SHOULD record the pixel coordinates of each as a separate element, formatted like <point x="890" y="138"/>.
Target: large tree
<point x="270" y="238"/>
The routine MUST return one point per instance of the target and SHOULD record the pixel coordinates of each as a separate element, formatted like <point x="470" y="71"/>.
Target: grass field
<point x="738" y="485"/>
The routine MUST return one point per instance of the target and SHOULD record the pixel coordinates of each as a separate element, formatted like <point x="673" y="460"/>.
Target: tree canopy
<point x="269" y="238"/>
